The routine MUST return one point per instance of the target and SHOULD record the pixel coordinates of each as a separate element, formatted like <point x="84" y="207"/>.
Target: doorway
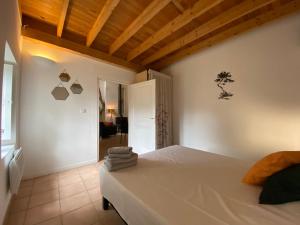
<point x="113" y="116"/>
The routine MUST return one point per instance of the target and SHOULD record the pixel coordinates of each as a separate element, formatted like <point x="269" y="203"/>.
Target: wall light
<point x="111" y="112"/>
<point x="44" y="59"/>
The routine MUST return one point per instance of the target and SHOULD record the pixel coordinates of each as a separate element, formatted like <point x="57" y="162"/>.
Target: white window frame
<point x="12" y="139"/>
<point x="9" y="145"/>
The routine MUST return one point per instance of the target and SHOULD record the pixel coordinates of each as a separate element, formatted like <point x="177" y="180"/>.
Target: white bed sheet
<point x="183" y="186"/>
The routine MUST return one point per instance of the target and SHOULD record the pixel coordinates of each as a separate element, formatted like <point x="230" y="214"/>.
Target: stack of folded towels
<point x="119" y="158"/>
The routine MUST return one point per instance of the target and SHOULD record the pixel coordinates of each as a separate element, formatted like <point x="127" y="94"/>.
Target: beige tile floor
<point x="71" y="197"/>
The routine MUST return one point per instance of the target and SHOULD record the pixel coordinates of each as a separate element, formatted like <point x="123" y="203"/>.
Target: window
<point x="7" y="104"/>
<point x="8" y="115"/>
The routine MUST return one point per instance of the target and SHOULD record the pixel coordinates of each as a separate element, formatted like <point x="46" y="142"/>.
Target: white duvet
<point x="182" y="186"/>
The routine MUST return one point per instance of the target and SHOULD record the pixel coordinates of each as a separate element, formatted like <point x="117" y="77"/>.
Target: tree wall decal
<point x="222" y="79"/>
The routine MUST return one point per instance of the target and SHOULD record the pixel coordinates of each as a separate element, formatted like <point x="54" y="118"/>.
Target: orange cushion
<point x="269" y="165"/>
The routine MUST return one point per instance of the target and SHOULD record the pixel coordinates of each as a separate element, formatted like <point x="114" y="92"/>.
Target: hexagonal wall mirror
<point x="76" y="88"/>
<point x="60" y="93"/>
<point x="64" y="76"/>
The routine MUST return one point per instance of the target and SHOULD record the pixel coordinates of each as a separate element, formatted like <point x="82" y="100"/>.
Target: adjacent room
<point x="113" y="114"/>
<point x="150" y="112"/>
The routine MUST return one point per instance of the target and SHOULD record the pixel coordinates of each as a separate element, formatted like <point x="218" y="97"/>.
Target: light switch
<point x="83" y="110"/>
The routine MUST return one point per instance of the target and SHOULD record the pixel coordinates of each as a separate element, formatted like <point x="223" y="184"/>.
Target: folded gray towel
<point x="114" y="167"/>
<point x="113" y="164"/>
<point x="116" y="161"/>
<point x="119" y="150"/>
<point x="120" y="156"/>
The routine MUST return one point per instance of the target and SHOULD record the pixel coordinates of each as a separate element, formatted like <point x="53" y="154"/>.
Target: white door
<point x="141" y="116"/>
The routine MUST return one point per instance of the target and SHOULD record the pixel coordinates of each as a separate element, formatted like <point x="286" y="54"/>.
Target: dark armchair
<point x="122" y="124"/>
<point x="107" y="129"/>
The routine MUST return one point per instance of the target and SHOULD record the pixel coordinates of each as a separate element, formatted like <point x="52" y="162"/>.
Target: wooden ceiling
<point x="139" y="34"/>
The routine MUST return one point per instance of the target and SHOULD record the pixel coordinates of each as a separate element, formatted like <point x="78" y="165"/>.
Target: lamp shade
<point x="112" y="111"/>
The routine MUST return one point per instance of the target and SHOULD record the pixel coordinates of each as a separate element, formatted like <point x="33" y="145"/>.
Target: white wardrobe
<point x="150" y="113"/>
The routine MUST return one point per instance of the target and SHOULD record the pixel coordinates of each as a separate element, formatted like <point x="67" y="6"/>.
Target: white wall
<point x="10" y="33"/>
<point x="264" y="114"/>
<point x="55" y="134"/>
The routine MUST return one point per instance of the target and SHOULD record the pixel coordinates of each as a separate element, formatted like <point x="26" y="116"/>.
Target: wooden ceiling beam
<point x="53" y="40"/>
<point x="62" y="18"/>
<point x="217" y="22"/>
<point x="178" y="5"/>
<point x="151" y="10"/>
<point x="279" y="11"/>
<point x="103" y="16"/>
<point x="180" y="21"/>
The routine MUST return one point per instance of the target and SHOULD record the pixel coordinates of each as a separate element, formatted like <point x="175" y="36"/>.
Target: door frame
<point x="99" y="78"/>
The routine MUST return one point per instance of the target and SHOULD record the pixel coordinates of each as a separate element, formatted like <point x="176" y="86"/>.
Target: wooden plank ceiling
<point x="139" y="34"/>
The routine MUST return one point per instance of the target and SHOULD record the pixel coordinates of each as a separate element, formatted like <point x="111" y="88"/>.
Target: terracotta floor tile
<point x="68" y="172"/>
<point x="92" y="182"/>
<point x="19" y="204"/>
<point x="86" y="168"/>
<point x="70" y="197"/>
<point x="69" y="179"/>
<point x="42" y="213"/>
<point x="95" y="194"/>
<point x="72" y="189"/>
<point x="16" y="218"/>
<point x="44" y="186"/>
<point x="110" y="217"/>
<point x="26" y="183"/>
<point x="47" y="178"/>
<point x="89" y="174"/>
<point x="54" y="221"/>
<point x="24" y="192"/>
<point x="74" y="202"/>
<point x="86" y="215"/>
<point x="43" y="198"/>
<point x="99" y="164"/>
<point x="98" y="205"/>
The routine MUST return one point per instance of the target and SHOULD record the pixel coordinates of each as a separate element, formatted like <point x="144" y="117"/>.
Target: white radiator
<point x="16" y="170"/>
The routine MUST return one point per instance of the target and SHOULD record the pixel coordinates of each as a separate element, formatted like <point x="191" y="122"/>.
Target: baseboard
<point x="6" y="207"/>
<point x="59" y="169"/>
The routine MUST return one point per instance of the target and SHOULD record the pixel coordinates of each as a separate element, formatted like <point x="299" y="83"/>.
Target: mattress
<point x="180" y="186"/>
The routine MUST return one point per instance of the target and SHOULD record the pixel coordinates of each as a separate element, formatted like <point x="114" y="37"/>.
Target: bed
<point x="183" y="186"/>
